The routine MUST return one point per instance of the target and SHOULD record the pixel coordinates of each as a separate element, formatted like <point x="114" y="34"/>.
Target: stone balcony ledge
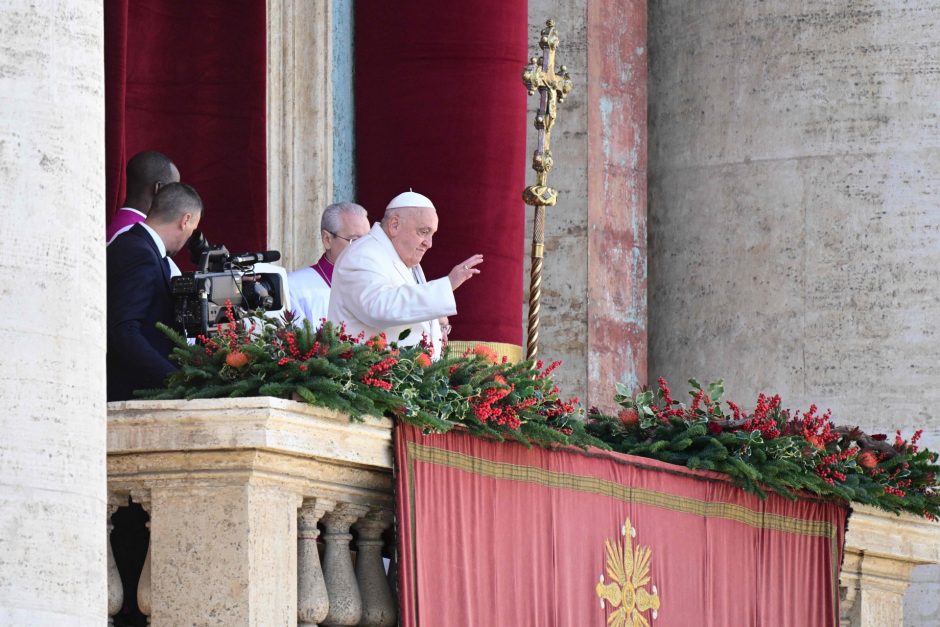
<point x="262" y="423"/>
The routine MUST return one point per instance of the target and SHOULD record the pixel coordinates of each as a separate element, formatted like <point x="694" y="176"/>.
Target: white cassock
<point x="309" y="294"/>
<point x="373" y="291"/>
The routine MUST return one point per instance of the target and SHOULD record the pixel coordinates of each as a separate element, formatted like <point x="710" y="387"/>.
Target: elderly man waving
<point x="378" y="284"/>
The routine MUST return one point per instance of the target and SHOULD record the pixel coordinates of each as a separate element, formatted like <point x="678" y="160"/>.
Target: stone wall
<point x="594" y="311"/>
<point x="563" y="324"/>
<point x="52" y="314"/>
<point x="794" y="230"/>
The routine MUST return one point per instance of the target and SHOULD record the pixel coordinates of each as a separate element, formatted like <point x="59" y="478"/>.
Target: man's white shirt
<point x="309" y="294"/>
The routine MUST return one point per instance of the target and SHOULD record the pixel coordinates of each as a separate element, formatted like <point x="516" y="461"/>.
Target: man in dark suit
<point x="139" y="291"/>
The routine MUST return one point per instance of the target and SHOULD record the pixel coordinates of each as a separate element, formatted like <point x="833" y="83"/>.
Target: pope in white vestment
<point x="379" y="286"/>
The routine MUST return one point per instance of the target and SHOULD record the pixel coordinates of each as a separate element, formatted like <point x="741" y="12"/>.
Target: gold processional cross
<point x="552" y="86"/>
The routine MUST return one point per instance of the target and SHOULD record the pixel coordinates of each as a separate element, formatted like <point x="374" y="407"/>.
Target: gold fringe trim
<point x="502" y="349"/>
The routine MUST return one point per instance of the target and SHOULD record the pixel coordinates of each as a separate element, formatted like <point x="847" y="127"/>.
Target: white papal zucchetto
<point x="410" y="199"/>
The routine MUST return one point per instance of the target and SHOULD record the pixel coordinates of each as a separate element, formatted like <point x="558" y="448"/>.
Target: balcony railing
<point x="237" y="492"/>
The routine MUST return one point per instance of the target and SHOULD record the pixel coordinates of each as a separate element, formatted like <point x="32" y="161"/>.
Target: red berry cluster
<point x="827" y="468"/>
<point x="668" y="410"/>
<point x="378" y="370"/>
<point x="764" y="418"/>
<point x="817" y="430"/>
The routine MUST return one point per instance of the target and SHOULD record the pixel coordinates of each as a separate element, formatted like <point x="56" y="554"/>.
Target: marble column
<point x="53" y="559"/>
<point x="300" y="127"/>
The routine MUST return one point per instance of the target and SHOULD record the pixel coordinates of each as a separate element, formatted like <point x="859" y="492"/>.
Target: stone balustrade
<point x="238" y="491"/>
<point x="880" y="551"/>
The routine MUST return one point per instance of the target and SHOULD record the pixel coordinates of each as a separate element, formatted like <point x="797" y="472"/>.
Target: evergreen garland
<point x="358" y="376"/>
<point x="773" y="448"/>
<point x="767" y="449"/>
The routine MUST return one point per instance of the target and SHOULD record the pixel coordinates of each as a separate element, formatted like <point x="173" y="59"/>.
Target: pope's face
<point x="411" y="231"/>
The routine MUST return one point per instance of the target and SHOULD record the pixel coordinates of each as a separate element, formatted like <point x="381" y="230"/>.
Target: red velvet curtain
<point x="498" y="534"/>
<point x="188" y="79"/>
<point x="440" y="108"/>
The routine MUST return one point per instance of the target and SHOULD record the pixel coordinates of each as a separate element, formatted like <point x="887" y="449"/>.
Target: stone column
<point x="616" y="225"/>
<point x="300" y="127"/>
<point x="115" y="585"/>
<point x="53" y="567"/>
<point x="144" y="582"/>
<point x="563" y="324"/>
<point x="594" y="311"/>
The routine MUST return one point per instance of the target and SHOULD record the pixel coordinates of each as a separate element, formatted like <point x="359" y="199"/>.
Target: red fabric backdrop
<point x="188" y="79"/>
<point x="497" y="534"/>
<point x="440" y="108"/>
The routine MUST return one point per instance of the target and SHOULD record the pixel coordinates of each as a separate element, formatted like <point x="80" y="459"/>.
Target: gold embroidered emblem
<point x="629" y="572"/>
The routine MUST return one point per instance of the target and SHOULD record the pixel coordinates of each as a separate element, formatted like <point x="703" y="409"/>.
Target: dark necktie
<point x="166" y="267"/>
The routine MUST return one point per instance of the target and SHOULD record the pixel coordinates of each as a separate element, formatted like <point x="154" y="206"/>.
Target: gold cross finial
<point x="540" y="76"/>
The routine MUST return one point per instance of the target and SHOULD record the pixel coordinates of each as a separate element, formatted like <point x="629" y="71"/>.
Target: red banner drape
<point x="188" y="79"/>
<point x="440" y="108"/>
<point x="497" y="534"/>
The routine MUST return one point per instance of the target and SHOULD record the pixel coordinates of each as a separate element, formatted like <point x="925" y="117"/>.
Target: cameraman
<point x="139" y="291"/>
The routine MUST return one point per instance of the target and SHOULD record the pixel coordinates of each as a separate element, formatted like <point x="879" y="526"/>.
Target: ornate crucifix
<point x="552" y="86"/>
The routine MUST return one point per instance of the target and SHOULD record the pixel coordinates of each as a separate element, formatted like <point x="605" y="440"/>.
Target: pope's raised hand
<point x="464" y="270"/>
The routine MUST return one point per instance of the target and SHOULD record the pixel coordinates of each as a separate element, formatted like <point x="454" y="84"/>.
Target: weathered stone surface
<point x="52" y="315"/>
<point x="563" y="324"/>
<point x="593" y="306"/>
<point x="617" y="267"/>
<point x="794" y="180"/>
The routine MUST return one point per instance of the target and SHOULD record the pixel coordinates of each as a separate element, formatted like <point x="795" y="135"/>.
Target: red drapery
<point x="497" y="534"/>
<point x="440" y="108"/>
<point x="188" y="79"/>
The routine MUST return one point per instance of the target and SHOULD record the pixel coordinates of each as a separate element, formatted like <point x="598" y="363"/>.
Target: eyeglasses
<point x="348" y="239"/>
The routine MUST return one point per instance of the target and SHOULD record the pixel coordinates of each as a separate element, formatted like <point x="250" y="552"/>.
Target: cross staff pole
<point x="540" y="75"/>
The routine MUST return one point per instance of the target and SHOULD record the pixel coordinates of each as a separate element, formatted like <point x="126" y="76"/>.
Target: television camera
<point x="248" y="280"/>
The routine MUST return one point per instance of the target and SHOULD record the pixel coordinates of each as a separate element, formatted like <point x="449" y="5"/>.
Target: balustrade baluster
<point x="378" y="605"/>
<point x="143" y="585"/>
<point x="312" y="597"/>
<point x="341" y="584"/>
<point x="115" y="585"/>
